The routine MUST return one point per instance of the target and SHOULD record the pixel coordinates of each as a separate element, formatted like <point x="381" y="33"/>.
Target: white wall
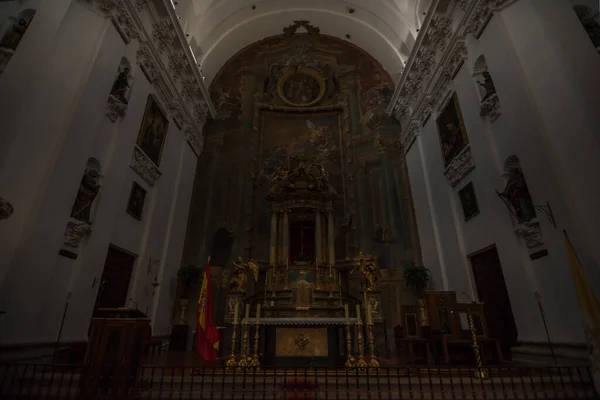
<point x="538" y="94"/>
<point x="37" y="280"/>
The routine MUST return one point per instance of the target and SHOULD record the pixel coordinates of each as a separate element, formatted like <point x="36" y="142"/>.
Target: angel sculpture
<point x="238" y="277"/>
<point x="367" y="266"/>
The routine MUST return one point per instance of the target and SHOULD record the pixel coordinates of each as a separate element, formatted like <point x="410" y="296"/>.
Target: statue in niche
<point x="590" y="19"/>
<point x="517" y="194"/>
<point x="88" y="190"/>
<point x="121" y="86"/>
<point x="16" y="30"/>
<point x="487" y="85"/>
<point x="6" y="209"/>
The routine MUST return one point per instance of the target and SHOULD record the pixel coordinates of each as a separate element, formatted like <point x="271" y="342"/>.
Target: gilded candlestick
<point x="231" y="362"/>
<point x="373" y="363"/>
<point x="254" y="361"/>
<point x="350" y="362"/>
<point x="243" y="362"/>
<point x="361" y="363"/>
<point x="479" y="373"/>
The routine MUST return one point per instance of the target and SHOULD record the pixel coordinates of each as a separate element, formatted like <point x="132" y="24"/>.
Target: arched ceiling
<point x="386" y="29"/>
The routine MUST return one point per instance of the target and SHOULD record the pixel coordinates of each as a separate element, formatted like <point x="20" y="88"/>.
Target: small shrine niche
<point x="489" y="101"/>
<point x="13" y="34"/>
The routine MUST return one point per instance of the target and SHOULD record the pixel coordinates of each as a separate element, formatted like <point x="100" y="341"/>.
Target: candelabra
<point x="480" y="373"/>
<point x="243" y="362"/>
<point x="254" y="359"/>
<point x="231" y="363"/>
<point x="350" y="362"/>
<point x="373" y="363"/>
<point x="361" y="363"/>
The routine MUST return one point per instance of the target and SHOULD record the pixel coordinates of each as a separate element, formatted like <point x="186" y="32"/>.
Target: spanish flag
<point x="588" y="303"/>
<point x="207" y="336"/>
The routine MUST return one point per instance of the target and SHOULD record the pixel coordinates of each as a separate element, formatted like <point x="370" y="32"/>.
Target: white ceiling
<point x="218" y="29"/>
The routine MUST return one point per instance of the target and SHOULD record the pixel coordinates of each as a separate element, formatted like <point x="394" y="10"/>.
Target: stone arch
<point x="590" y="19"/>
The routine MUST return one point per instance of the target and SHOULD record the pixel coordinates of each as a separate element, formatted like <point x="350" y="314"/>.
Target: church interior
<point x="363" y="198"/>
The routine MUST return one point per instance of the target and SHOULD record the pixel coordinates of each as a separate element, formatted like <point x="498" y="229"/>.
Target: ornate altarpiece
<point x="312" y="103"/>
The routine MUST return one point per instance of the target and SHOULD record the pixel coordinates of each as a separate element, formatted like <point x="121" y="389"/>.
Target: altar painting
<point x="451" y="129"/>
<point x="288" y="137"/>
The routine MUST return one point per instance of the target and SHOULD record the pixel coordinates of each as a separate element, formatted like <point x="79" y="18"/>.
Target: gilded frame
<point x="306" y="71"/>
<point x="151" y="103"/>
<point x="451" y="107"/>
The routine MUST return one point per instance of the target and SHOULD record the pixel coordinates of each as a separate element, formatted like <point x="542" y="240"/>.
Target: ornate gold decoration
<point x="238" y="278"/>
<point x="301" y="342"/>
<point x="308" y="74"/>
<point x="291" y="29"/>
<point x="367" y="265"/>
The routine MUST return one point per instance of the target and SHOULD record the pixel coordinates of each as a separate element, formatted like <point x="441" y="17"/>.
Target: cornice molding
<point x="166" y="58"/>
<point x="436" y="58"/>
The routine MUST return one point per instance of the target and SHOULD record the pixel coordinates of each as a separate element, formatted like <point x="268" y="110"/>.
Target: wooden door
<point x="116" y="276"/>
<point x="491" y="289"/>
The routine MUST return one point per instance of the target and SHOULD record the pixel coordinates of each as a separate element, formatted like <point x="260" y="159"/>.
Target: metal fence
<point x="23" y="381"/>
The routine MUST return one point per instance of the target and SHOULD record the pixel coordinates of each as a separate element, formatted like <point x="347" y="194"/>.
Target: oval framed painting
<point x="301" y="87"/>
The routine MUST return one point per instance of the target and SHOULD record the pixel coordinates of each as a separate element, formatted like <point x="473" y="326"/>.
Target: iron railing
<point x="26" y="381"/>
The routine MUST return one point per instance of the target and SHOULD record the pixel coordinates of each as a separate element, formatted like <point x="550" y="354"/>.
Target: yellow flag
<point x="589" y="308"/>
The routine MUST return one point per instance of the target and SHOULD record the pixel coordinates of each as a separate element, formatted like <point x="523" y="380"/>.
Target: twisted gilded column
<point x="330" y="237"/>
<point x="273" y="246"/>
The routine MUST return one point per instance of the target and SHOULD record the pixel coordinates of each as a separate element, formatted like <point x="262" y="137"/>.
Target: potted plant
<point x="418" y="279"/>
<point x="188" y="276"/>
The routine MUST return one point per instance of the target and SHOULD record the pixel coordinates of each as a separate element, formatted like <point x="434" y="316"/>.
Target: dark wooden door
<point x="491" y="289"/>
<point x="116" y="276"/>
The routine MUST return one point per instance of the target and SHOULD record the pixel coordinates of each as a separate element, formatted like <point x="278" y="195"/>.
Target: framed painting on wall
<point x="468" y="201"/>
<point x="153" y="130"/>
<point x="137" y="197"/>
<point x="451" y="130"/>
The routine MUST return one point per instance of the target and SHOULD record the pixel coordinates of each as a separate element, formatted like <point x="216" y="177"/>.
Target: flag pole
<point x="550" y="345"/>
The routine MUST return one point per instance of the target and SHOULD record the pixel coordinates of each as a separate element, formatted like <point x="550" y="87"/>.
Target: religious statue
<point x="121" y="86"/>
<point x="14" y="34"/>
<point x="88" y="190"/>
<point x="238" y="278"/>
<point x="590" y="20"/>
<point x="367" y="266"/>
<point x="6" y="209"/>
<point x="517" y="194"/>
<point x="487" y="85"/>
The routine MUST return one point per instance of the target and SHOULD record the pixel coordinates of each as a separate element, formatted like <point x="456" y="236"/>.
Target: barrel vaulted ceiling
<point x="218" y="29"/>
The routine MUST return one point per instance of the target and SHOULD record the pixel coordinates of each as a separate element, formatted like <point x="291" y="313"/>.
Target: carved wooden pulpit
<point x="118" y="337"/>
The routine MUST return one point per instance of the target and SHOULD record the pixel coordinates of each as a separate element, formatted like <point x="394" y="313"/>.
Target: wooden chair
<point x="412" y="339"/>
<point x="489" y="348"/>
<point x="447" y="344"/>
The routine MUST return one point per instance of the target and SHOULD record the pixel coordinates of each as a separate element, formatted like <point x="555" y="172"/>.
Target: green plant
<point x="188" y="276"/>
<point x="417" y="278"/>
